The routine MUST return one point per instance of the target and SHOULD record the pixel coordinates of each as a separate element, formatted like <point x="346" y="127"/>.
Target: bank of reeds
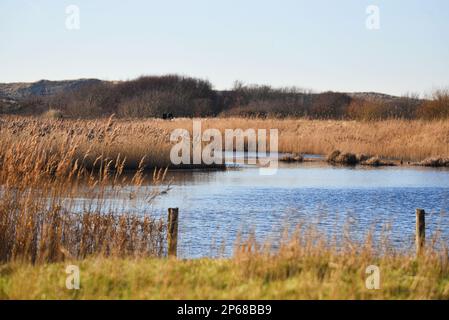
<point x="43" y="173"/>
<point x="89" y="142"/>
<point x="47" y="164"/>
<point x="408" y="140"/>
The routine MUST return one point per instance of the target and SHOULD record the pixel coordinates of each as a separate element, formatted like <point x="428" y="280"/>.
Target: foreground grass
<point x="253" y="278"/>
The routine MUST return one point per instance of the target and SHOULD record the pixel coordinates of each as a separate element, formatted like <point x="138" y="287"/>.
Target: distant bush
<point x="89" y="101"/>
<point x="367" y="110"/>
<point x="329" y="105"/>
<point x="154" y="96"/>
<point x="28" y="106"/>
<point x="268" y="108"/>
<point x="437" y="107"/>
<point x="378" y="109"/>
<point x="262" y="101"/>
<point x="142" y="97"/>
<point x="53" y="114"/>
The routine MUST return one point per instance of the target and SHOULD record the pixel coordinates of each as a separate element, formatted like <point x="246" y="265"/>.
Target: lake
<point x="216" y="206"/>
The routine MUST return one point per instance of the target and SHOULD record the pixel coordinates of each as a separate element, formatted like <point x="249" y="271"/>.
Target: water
<point x="215" y="206"/>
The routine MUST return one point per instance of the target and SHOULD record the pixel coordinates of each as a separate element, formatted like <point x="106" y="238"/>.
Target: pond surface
<point x="216" y="206"/>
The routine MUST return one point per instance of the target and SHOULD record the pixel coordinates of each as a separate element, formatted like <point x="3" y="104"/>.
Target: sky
<point x="401" y="47"/>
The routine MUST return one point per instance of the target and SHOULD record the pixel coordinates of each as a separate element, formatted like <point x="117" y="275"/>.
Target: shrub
<point x="53" y="114"/>
<point x="362" y="109"/>
<point x="437" y="107"/>
<point x="380" y="109"/>
<point x="142" y="97"/>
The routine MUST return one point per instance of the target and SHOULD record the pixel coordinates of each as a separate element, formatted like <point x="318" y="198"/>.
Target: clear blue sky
<point x="322" y="45"/>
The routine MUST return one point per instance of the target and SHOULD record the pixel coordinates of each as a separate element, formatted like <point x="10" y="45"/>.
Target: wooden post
<point x="172" y="231"/>
<point x="420" y="231"/>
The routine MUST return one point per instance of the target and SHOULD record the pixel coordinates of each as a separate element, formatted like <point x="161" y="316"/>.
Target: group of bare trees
<point x="142" y="97"/>
<point x="153" y="96"/>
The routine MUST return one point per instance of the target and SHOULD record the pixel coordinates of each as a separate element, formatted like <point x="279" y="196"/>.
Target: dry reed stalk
<point x="41" y="178"/>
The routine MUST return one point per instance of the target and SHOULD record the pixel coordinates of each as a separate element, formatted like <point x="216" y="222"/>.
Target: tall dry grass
<point x="304" y="265"/>
<point x="47" y="163"/>
<point x="437" y="107"/>
<point x="318" y="267"/>
<point x="89" y="142"/>
<point x="412" y="140"/>
<point x="133" y="139"/>
<point x="43" y="171"/>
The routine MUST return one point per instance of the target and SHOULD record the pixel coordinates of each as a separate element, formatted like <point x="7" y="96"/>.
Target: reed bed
<point x="90" y="143"/>
<point x="408" y="140"/>
<point x="46" y="163"/>
<point x="40" y="155"/>
<point x="44" y="172"/>
<point x="133" y="139"/>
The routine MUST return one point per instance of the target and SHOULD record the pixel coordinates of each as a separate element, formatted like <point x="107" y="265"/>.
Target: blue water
<point x="217" y="206"/>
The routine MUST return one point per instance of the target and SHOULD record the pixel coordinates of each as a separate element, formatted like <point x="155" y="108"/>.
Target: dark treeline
<point x="143" y="97"/>
<point x="154" y="96"/>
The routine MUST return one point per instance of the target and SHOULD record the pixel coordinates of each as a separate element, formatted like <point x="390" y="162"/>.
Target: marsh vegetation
<point x="49" y="163"/>
<point x="305" y="266"/>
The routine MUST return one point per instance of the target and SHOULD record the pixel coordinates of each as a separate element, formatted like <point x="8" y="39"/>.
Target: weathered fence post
<point x="420" y="231"/>
<point x="172" y="231"/>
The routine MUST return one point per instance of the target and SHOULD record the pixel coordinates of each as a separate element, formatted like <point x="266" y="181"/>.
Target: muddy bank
<point x="352" y="159"/>
<point x="292" y="157"/>
<point x="433" y="162"/>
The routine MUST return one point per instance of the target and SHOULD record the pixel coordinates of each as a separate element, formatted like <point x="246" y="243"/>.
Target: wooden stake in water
<point x="172" y="231"/>
<point x="420" y="231"/>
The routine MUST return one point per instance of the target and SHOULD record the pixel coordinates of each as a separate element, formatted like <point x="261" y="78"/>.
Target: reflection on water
<point x="215" y="206"/>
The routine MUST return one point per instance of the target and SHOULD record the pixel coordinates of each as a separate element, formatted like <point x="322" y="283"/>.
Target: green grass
<point x="248" y="277"/>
